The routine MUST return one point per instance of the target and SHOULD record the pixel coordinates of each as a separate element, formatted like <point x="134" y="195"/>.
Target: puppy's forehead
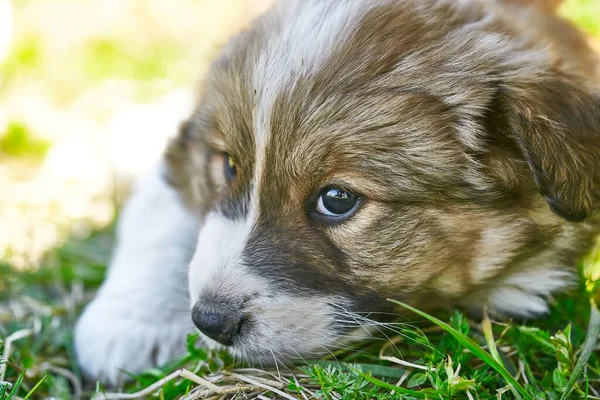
<point x="315" y="50"/>
<point x="361" y="77"/>
<point x="302" y="37"/>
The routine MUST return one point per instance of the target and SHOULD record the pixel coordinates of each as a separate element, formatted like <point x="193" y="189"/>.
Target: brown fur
<point x="471" y="131"/>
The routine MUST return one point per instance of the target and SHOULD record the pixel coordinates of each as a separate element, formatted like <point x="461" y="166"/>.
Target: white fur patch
<point x="525" y="293"/>
<point x="310" y="32"/>
<point x="495" y="248"/>
<point x="219" y="247"/>
<point x="286" y="327"/>
<point x="140" y="316"/>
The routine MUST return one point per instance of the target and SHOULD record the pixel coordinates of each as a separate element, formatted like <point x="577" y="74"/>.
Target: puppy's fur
<point x="470" y="130"/>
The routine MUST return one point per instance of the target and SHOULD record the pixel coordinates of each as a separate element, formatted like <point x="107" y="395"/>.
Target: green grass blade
<point x="469" y="344"/>
<point x="488" y="333"/>
<point x="374" y="369"/>
<point x="16" y="385"/>
<point x="591" y="338"/>
<point x="32" y="391"/>
<point x="397" y="389"/>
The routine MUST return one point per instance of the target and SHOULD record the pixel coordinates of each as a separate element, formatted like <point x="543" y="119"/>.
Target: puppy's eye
<point x="230" y="168"/>
<point x="337" y="203"/>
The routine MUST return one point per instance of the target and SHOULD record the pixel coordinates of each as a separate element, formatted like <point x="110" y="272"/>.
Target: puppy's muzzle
<point x="218" y="322"/>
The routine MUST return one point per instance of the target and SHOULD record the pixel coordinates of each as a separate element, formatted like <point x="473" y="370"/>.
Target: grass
<point x="450" y="357"/>
<point x="17" y="141"/>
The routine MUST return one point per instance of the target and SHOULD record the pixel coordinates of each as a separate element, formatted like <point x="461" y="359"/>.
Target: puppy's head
<point x="348" y="151"/>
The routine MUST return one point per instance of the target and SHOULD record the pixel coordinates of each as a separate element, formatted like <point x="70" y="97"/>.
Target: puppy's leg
<point x="140" y="316"/>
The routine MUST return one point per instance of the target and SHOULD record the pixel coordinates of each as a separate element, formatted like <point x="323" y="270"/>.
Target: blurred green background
<point x="83" y="83"/>
<point x="89" y="92"/>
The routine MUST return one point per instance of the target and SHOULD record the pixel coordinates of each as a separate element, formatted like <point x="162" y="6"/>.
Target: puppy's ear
<point x="555" y="122"/>
<point x="187" y="159"/>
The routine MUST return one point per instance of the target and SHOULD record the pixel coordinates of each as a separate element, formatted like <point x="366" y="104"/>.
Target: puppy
<point x="440" y="152"/>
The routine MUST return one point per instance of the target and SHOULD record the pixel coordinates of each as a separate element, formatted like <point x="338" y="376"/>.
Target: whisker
<point x="380" y="313"/>
<point x="372" y="323"/>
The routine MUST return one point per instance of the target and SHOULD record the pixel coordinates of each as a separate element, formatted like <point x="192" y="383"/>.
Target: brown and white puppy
<point x="348" y="151"/>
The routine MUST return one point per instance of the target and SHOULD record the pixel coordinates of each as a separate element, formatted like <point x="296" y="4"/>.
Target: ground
<point x="70" y="86"/>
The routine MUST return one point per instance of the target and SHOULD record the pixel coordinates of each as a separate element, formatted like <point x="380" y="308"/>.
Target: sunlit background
<point x="89" y="92"/>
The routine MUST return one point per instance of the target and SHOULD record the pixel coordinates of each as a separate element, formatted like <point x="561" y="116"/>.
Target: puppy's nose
<point x="219" y="324"/>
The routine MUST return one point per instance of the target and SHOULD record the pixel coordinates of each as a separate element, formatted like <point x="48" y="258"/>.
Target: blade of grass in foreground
<point x="469" y="344"/>
<point x="488" y="333"/>
<point x="37" y="385"/>
<point x="588" y="346"/>
<point x="16" y="385"/>
<point x="374" y="369"/>
<point x="397" y="389"/>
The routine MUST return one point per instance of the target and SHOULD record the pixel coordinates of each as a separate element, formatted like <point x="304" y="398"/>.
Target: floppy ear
<point x="555" y="122"/>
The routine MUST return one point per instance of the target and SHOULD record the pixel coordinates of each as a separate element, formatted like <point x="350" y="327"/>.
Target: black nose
<point x="219" y="324"/>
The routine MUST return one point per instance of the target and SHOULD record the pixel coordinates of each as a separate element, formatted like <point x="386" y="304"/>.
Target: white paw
<point x="112" y="338"/>
<point x="140" y="317"/>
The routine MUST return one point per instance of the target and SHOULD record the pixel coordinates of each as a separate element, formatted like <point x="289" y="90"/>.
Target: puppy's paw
<point x="111" y="341"/>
